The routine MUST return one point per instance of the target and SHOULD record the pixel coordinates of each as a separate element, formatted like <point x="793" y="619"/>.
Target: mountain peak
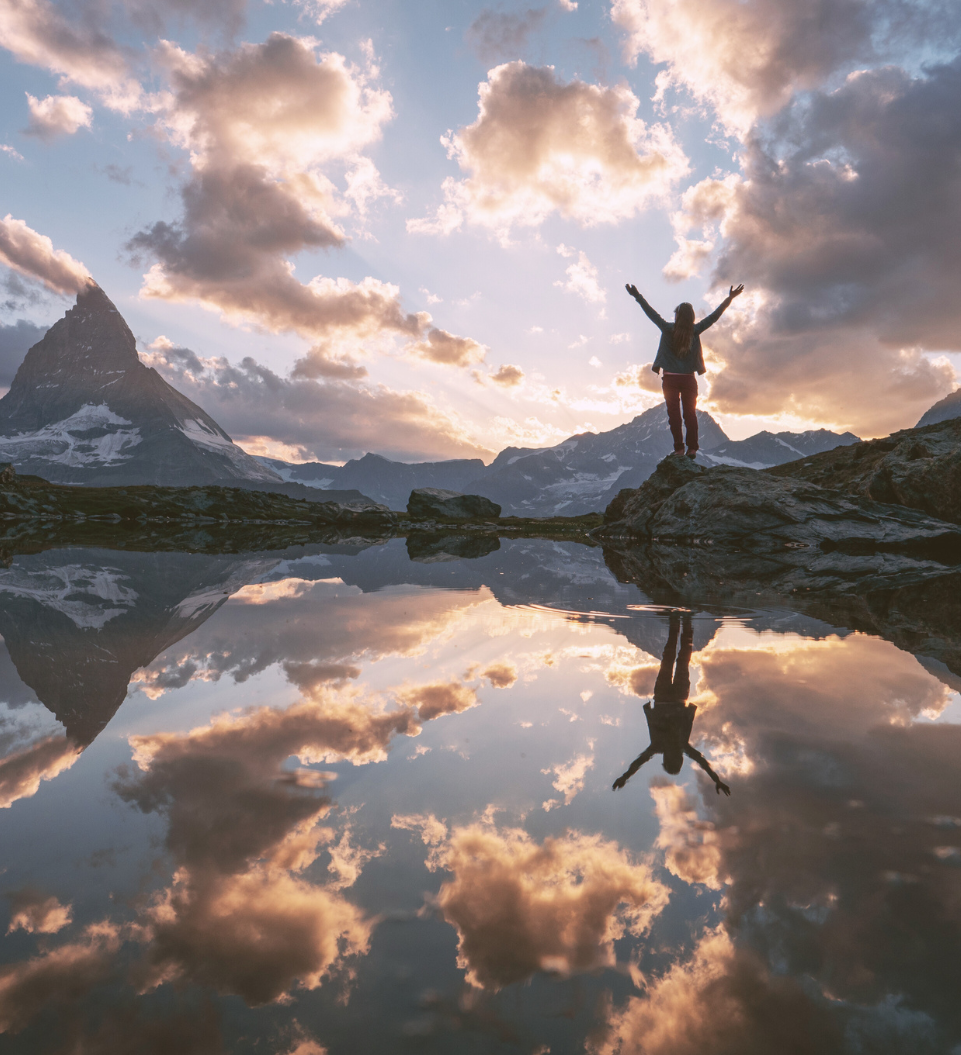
<point x="84" y="409"/>
<point x="949" y="407"/>
<point x="91" y="297"/>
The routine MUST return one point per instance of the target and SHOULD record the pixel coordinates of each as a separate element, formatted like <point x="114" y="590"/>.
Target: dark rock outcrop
<point x="756" y="511"/>
<point x="437" y="502"/>
<point x="83" y="409"/>
<point x="918" y="468"/>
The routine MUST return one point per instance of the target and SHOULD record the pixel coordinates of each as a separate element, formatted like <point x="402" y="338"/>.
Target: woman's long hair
<point x="683" y="334"/>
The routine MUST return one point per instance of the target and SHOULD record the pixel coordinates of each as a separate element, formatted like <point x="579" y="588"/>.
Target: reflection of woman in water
<point x="671" y="718"/>
<point x="679" y="355"/>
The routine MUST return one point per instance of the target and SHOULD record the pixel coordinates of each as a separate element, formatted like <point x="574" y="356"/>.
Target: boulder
<point x="363" y="512"/>
<point x="436" y="502"/>
<point x="755" y="511"/>
<point x="918" y="468"/>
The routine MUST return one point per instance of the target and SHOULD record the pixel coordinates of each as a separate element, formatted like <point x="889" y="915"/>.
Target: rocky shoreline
<point x="815" y="524"/>
<point x="37" y="515"/>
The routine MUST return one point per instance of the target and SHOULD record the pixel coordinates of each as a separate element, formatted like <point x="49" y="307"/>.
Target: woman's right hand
<point x="736" y="291"/>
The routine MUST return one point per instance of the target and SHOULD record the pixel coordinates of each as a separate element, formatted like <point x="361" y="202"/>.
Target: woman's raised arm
<point x="660" y="323"/>
<point x="709" y="320"/>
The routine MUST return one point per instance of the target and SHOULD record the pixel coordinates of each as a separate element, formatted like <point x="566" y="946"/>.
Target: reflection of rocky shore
<point x="78" y="623"/>
<point x="918" y="612"/>
<point x="690" y="535"/>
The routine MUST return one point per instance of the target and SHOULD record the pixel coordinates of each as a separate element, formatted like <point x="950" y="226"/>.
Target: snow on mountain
<point x="765" y="449"/>
<point x="91" y="436"/>
<point x="83" y="409"/>
<point x="88" y="596"/>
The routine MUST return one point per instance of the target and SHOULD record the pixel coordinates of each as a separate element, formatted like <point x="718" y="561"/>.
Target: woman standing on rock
<point x="679" y="355"/>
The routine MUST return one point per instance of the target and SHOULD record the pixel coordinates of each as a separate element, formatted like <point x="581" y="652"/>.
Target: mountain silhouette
<point x="83" y="409"/>
<point x="949" y="407"/>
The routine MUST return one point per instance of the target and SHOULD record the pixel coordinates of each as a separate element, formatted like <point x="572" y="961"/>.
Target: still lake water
<point x="336" y="800"/>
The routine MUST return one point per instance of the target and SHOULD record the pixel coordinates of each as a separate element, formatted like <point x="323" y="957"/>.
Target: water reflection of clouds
<point x="317" y="631"/>
<point x="690" y="845"/>
<point x="241" y="915"/>
<point x="36" y="912"/>
<point x="22" y="771"/>
<point x="839" y="917"/>
<point x="56" y="976"/>
<point x="827" y="688"/>
<point x="722" y="1000"/>
<point x="825" y="889"/>
<point x="521" y="906"/>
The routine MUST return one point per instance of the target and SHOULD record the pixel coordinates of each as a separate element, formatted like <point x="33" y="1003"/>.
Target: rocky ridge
<point x="773" y="533"/>
<point x="949" y="407"/>
<point x="919" y="468"/>
<point x="756" y="511"/>
<point x="33" y="498"/>
<point x="766" y="449"/>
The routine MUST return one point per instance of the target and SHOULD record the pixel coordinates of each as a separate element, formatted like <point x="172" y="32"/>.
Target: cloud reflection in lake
<point x="372" y="799"/>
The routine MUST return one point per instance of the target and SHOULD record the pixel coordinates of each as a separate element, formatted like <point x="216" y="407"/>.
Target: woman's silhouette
<point x="679" y="356"/>
<point x="671" y="718"/>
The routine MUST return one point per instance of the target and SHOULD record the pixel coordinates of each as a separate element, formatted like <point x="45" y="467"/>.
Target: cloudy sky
<point x="351" y="225"/>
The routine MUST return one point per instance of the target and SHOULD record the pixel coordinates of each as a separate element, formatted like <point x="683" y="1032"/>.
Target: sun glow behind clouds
<point x="825" y="190"/>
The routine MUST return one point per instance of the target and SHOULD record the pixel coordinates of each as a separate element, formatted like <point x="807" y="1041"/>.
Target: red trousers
<point x="680" y="390"/>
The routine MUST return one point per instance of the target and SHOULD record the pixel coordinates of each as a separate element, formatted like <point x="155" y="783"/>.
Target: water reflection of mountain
<point x="78" y="623"/>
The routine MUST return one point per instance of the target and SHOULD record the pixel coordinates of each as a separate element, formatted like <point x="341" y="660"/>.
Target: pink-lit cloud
<point x="32" y="254"/>
<point x="541" y="146"/>
<point x="520" y="906"/>
<point x="57" y="115"/>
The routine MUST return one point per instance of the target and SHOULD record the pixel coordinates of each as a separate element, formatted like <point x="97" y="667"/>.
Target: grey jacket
<point x="665" y="359"/>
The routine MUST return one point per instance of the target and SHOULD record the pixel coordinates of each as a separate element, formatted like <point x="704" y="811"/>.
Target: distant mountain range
<point x="766" y="449"/>
<point x="84" y="409"/>
<point x="579" y="475"/>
